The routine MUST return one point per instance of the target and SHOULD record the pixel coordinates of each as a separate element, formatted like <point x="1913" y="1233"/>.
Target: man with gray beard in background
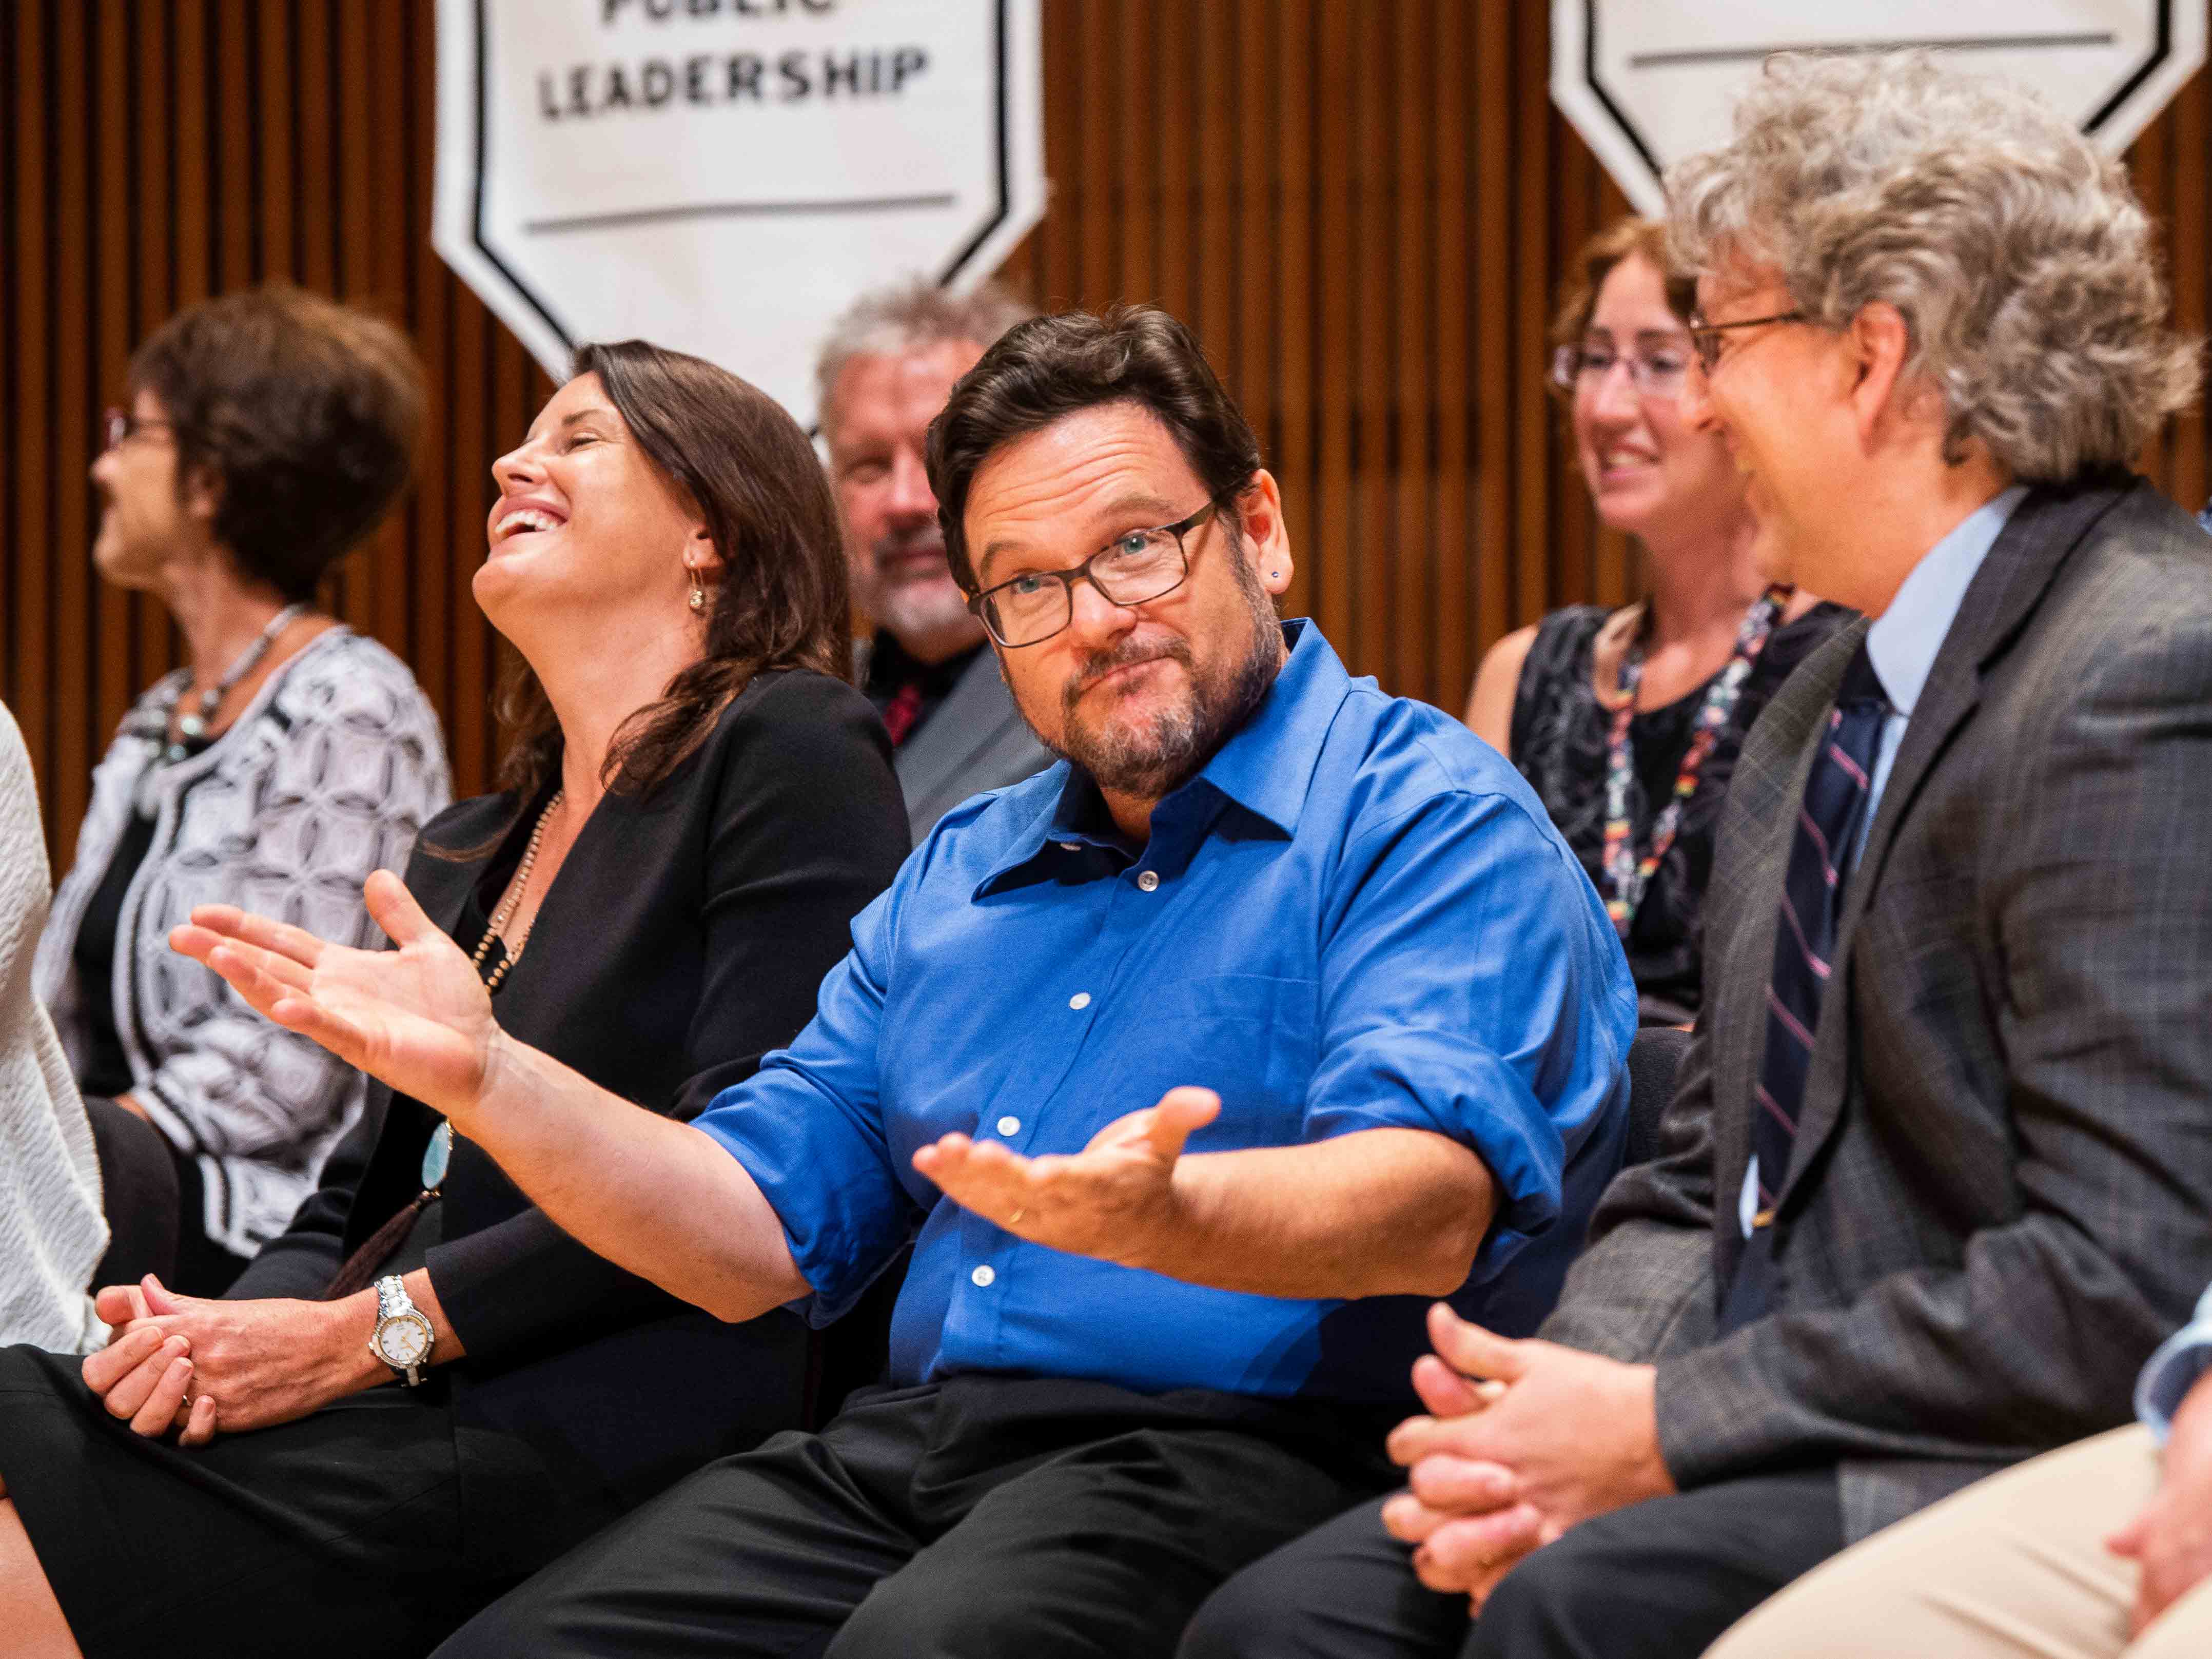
<point x="886" y="369"/>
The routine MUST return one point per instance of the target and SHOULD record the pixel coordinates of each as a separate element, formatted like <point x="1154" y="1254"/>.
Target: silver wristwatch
<point x="403" y="1334"/>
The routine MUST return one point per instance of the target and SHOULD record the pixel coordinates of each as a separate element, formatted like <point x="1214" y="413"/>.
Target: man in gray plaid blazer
<point x="1938" y="1175"/>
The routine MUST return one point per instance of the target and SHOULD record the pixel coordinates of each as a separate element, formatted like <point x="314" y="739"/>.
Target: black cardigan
<point x="683" y="938"/>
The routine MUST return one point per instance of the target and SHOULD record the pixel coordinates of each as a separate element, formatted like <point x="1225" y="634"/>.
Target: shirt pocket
<point x="1249" y="1037"/>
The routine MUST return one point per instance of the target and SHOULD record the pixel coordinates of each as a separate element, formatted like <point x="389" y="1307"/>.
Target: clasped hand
<point x="1525" y="1440"/>
<point x="197" y="1365"/>
<point x="1116" y="1199"/>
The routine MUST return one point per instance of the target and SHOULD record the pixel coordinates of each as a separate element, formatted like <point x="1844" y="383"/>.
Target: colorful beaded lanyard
<point x="1625" y="875"/>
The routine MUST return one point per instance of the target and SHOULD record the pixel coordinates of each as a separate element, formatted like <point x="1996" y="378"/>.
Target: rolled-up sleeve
<point x="2173" y="1369"/>
<point x="808" y="1128"/>
<point x="1466" y="991"/>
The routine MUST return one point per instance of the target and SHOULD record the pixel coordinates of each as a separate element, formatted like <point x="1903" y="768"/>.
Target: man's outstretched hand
<point x="1116" y="1199"/>
<point x="418" y="1016"/>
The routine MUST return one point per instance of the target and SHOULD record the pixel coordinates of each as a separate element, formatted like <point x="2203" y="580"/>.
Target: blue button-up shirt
<point x="1356" y="916"/>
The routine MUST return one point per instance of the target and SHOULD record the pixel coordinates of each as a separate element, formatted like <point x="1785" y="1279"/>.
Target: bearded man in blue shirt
<point x="1194" y="1067"/>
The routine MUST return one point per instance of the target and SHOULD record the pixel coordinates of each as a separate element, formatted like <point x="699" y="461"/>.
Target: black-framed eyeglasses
<point x="117" y="426"/>
<point x="1705" y="337"/>
<point x="1136" y="566"/>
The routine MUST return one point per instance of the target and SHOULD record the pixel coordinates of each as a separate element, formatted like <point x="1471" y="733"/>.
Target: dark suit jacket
<point x="975" y="740"/>
<point x="2001" y="1194"/>
<point x="685" y="936"/>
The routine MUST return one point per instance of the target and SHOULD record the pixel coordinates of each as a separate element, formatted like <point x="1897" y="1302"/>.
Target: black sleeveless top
<point x="1559" y="739"/>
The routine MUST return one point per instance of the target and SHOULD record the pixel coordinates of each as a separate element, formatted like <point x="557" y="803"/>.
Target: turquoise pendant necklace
<point x="438" y="1156"/>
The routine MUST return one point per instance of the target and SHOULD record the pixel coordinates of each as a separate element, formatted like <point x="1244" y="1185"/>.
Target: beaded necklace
<point x="514" y="902"/>
<point x="195" y="724"/>
<point x="1627" y="877"/>
<point x="192" y="727"/>
<point x="440" y="1152"/>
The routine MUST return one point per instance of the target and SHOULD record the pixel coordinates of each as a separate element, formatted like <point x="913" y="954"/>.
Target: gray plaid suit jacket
<point x="2001" y="1194"/>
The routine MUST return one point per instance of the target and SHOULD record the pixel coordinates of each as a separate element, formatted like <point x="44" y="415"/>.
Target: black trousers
<point x="1660" y="1580"/>
<point x="982" y="1516"/>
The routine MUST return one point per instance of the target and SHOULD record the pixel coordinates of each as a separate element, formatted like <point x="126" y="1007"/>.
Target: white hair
<point x="907" y="317"/>
<point x="2020" y="260"/>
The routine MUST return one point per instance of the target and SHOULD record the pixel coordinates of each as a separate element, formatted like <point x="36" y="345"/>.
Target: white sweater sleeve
<point x="52" y="1229"/>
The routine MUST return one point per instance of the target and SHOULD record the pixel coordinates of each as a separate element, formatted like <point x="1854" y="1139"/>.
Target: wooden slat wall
<point x="1364" y="206"/>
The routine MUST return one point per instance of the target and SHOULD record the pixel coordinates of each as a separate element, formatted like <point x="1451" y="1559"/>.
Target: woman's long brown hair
<point x="782" y="603"/>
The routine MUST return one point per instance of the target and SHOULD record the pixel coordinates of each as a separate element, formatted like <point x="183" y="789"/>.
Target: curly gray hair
<point x="907" y="317"/>
<point x="2022" y="261"/>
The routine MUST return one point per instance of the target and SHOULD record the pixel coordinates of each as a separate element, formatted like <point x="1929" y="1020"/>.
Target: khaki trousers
<point x="2013" y="1567"/>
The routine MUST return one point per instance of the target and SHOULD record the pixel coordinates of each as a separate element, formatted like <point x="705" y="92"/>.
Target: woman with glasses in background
<point x="1627" y="723"/>
<point x="267" y="434"/>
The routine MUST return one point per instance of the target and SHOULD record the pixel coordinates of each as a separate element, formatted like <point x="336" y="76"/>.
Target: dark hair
<point x="1043" y="370"/>
<point x="305" y="412"/>
<point x="751" y="474"/>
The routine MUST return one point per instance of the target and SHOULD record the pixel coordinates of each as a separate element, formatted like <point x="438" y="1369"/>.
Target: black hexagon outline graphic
<point x="479" y="241"/>
<point x="2160" y="51"/>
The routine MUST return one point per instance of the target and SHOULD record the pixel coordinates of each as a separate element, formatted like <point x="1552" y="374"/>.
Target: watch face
<point x="403" y="1340"/>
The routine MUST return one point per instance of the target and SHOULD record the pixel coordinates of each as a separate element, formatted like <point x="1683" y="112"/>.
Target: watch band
<point x="394" y="1306"/>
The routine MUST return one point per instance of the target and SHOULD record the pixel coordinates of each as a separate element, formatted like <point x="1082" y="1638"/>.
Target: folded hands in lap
<point x="197" y="1365"/>
<point x="1524" y="1439"/>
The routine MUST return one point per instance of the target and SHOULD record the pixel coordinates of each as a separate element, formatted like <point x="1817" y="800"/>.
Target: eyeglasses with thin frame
<point x="1655" y="370"/>
<point x="1136" y="566"/>
<point x="1705" y="337"/>
<point x="119" y="426"/>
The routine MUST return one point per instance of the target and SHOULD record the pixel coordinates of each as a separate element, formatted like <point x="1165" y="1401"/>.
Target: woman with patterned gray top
<point x="267" y="434"/>
<point x="1627" y="722"/>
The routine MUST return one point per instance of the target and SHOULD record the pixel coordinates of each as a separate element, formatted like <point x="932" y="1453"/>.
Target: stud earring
<point x="698" y="591"/>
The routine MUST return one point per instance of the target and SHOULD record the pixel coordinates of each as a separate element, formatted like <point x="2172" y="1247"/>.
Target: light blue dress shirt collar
<point x="1904" y="639"/>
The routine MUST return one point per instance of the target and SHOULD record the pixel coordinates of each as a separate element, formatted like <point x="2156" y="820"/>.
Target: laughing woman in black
<point x="696" y="807"/>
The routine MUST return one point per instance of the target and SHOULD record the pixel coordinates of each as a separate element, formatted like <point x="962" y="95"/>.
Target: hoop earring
<point x="698" y="591"/>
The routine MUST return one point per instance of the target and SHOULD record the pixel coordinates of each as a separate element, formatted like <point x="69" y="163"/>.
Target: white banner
<point x="1649" y="81"/>
<point x="725" y="176"/>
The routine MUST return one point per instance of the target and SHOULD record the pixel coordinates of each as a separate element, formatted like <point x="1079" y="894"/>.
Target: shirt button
<point x="1148" y="879"/>
<point x="983" y="1278"/>
<point x="1010" y="1126"/>
<point x="1080" y="999"/>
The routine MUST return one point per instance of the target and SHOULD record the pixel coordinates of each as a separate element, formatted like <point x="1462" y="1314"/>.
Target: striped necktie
<point x="1820" y="855"/>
